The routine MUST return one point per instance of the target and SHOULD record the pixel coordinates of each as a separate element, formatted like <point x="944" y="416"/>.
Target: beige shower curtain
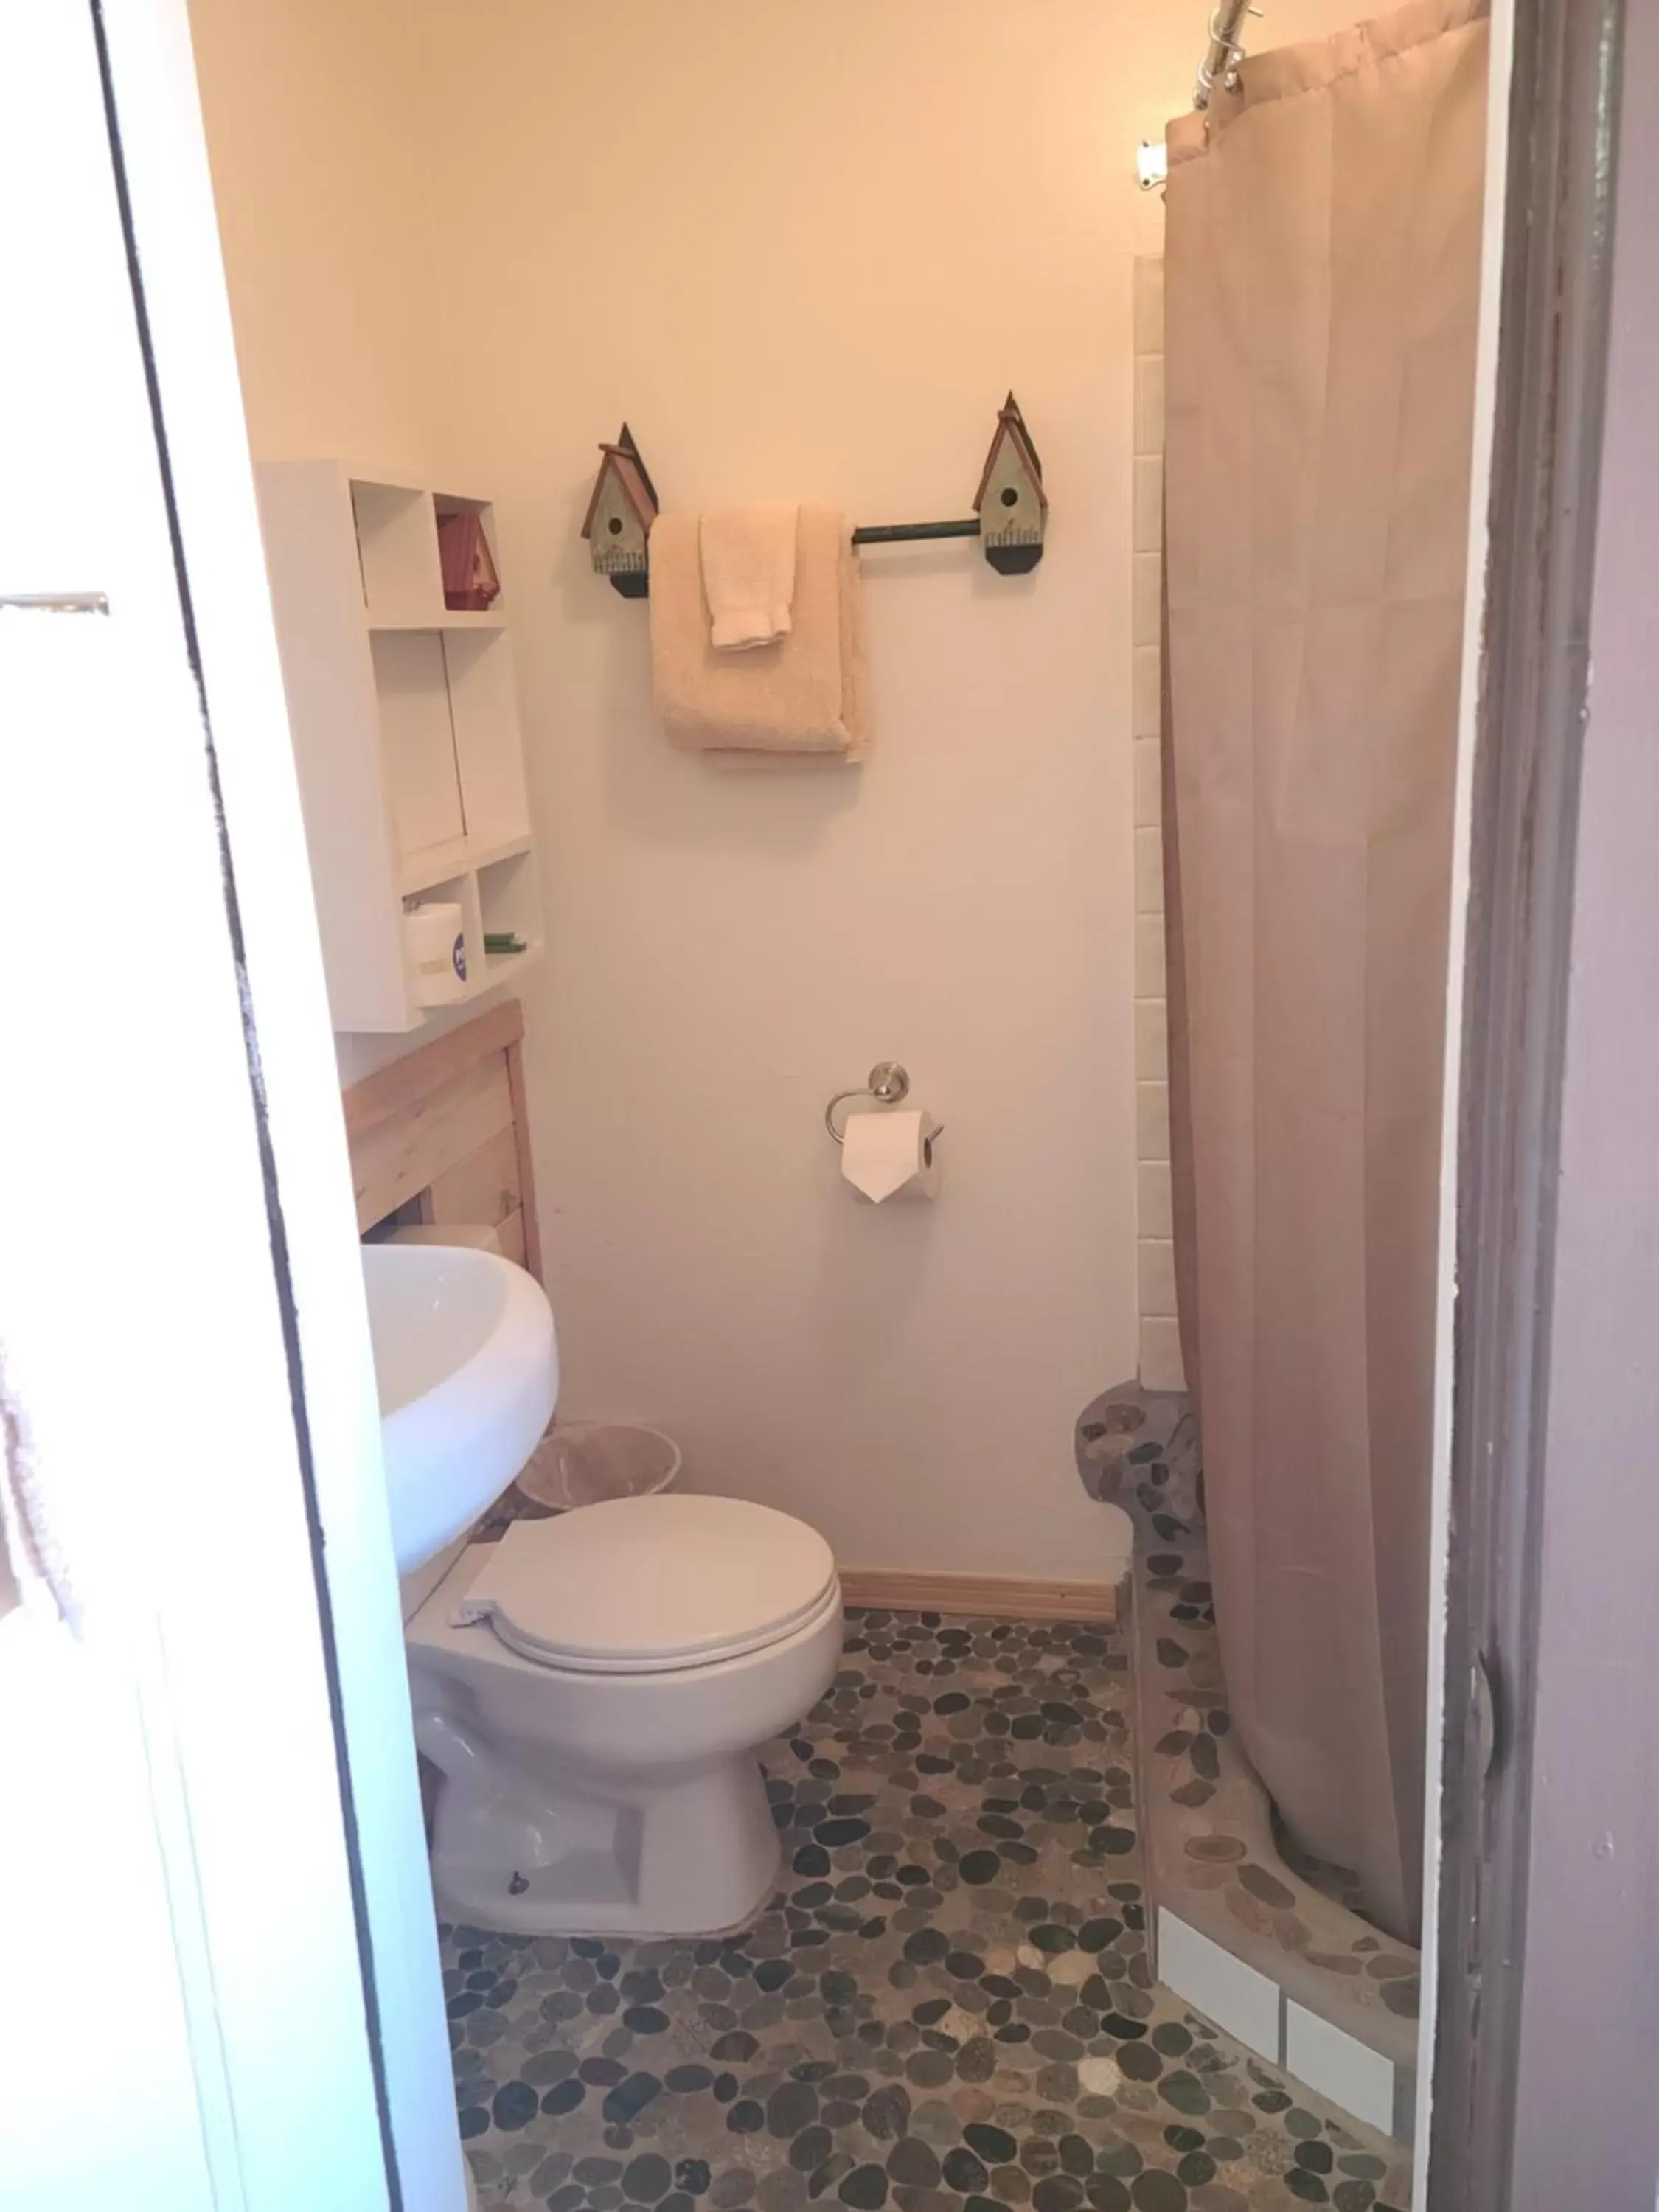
<point x="1322" y="269"/>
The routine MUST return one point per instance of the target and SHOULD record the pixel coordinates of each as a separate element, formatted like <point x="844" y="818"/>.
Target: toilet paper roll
<point x="887" y="1153"/>
<point x="437" y="951"/>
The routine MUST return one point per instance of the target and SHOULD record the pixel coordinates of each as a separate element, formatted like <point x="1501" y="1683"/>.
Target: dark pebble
<point x="1186" y="2093"/>
<point x="692" y="2175"/>
<point x="1265" y="1887"/>
<point x="811" y="2149"/>
<point x="629" y="2099"/>
<point x="686" y="2079"/>
<point x="995" y="2145"/>
<point x="563" y="2097"/>
<point x="746" y="2117"/>
<point x="1157" y="2192"/>
<point x="646" y="2178"/>
<point x="977" y="1868"/>
<point x="964" y="2172"/>
<point x="790" y="2108"/>
<point x="835" y="1833"/>
<point x="914" y="2163"/>
<point x="887" y="2112"/>
<point x="645" y="2019"/>
<point x="864" y="2187"/>
<point x="1053" y="1938"/>
<point x="514" y="2106"/>
<point x="474" y="2121"/>
<point x="738" y="2046"/>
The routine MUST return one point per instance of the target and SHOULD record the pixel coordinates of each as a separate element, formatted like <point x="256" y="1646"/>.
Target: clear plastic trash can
<point x="587" y="1462"/>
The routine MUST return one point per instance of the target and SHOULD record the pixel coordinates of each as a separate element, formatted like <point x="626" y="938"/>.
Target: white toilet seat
<point x="653" y="1585"/>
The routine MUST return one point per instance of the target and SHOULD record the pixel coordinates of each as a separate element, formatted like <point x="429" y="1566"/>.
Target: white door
<point x="218" y="1980"/>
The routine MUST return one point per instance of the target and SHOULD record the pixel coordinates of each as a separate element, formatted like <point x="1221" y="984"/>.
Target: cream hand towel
<point x="803" y="693"/>
<point x="748" y="573"/>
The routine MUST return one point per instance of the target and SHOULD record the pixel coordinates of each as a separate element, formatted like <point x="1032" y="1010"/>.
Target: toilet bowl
<point x="595" y="1691"/>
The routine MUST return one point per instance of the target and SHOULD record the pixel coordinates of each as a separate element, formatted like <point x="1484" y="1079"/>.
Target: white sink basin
<point x="468" y="1370"/>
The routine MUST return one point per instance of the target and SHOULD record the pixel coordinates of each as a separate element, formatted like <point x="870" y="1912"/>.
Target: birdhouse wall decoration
<point x="620" y="514"/>
<point x="1010" y="517"/>
<point x="1010" y="503"/>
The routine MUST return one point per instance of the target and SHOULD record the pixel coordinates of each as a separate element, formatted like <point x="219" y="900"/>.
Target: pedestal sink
<point x="468" y="1370"/>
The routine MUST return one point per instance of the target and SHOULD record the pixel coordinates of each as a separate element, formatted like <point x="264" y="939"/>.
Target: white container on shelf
<point x="437" y="952"/>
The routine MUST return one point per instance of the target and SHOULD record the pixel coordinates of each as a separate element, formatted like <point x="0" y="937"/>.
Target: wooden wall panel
<point x="448" y="1126"/>
<point x="483" y="1187"/>
<point x="394" y="1161"/>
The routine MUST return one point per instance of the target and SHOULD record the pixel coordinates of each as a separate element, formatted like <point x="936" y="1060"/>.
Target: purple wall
<point x="1588" y="2112"/>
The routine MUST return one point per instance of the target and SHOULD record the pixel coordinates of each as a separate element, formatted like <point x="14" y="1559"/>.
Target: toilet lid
<point x="639" y="1585"/>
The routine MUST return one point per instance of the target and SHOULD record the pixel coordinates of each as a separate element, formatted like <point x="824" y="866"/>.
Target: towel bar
<point x="1011" y="510"/>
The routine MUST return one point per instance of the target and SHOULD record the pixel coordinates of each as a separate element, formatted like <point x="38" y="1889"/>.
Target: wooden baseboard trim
<point x="994" y="1597"/>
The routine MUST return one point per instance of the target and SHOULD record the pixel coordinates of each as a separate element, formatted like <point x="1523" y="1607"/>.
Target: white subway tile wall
<point x="1160" y="1337"/>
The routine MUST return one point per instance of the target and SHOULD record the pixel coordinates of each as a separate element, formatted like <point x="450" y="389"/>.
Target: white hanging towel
<point x="748" y="573"/>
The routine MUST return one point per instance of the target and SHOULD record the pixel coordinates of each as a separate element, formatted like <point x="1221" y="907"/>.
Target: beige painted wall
<point x="804" y="251"/>
<point x="319" y="176"/>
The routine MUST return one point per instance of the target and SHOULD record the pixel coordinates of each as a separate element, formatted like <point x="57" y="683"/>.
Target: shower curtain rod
<point x="1220" y="64"/>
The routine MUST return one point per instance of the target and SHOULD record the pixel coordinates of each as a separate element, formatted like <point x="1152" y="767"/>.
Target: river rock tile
<point x="947" y="2005"/>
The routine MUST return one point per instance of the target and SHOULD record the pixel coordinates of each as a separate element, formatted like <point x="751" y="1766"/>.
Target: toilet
<point x="595" y="1690"/>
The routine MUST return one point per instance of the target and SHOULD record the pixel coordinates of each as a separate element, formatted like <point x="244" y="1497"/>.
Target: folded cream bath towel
<point x="748" y="573"/>
<point x="803" y="693"/>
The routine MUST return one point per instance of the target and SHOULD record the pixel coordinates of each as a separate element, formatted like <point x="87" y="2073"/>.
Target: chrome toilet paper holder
<point x="889" y="1084"/>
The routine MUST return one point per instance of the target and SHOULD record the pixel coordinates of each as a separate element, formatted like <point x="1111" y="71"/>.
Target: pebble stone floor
<point x="946" y="2006"/>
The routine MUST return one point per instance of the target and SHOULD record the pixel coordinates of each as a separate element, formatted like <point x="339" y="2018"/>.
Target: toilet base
<point x="695" y="1856"/>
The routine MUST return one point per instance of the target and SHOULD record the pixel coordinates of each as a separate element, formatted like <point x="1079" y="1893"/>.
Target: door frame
<point x="176" y="1075"/>
<point x="1547" y="1812"/>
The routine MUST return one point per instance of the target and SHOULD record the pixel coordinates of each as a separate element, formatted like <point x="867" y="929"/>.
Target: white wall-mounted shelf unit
<point x="406" y="724"/>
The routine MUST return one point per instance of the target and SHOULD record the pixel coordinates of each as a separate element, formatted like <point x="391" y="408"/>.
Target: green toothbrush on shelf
<point x="504" y="940"/>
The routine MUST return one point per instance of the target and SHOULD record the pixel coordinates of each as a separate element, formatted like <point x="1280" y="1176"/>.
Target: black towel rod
<point x="903" y="533"/>
<point x="1011" y="517"/>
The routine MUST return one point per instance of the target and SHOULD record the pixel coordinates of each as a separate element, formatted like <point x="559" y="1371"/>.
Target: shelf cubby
<point x="405" y="726"/>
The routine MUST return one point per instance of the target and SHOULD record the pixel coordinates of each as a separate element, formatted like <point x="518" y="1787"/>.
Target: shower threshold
<point x="1248" y="1929"/>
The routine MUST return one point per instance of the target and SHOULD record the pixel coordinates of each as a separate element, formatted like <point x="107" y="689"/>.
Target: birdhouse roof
<point x="624" y="458"/>
<point x="1010" y="423"/>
